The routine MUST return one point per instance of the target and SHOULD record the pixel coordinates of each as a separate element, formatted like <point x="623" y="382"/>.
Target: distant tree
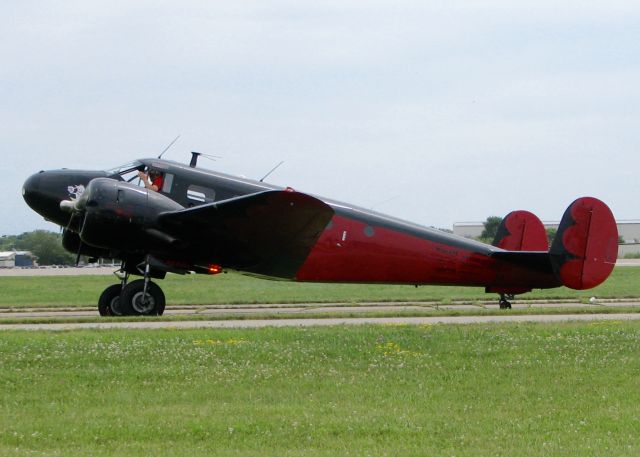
<point x="490" y="228"/>
<point x="551" y="235"/>
<point x="621" y="240"/>
<point x="46" y="246"/>
<point x="7" y="242"/>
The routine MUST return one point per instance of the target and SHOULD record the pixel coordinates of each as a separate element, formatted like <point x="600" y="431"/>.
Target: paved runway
<point x="460" y="320"/>
<point x="260" y="310"/>
<point x="51" y="271"/>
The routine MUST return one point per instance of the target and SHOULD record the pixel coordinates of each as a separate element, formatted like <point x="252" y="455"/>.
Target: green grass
<point x="231" y="288"/>
<point x="512" y="390"/>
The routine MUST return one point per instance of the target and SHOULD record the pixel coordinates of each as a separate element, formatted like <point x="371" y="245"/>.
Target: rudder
<point x="585" y="248"/>
<point x="521" y="231"/>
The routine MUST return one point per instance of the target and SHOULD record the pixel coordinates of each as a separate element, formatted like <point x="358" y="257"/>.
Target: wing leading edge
<point x="267" y="233"/>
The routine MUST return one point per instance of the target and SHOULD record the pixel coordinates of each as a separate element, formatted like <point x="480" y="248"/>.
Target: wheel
<point x="160" y="307"/>
<point x="108" y="303"/>
<point x="133" y="300"/>
<point x="505" y="304"/>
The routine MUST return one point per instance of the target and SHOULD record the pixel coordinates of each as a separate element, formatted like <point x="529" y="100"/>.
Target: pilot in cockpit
<point x="152" y="180"/>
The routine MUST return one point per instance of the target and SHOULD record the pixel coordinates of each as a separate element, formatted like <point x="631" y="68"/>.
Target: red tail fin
<point x="585" y="249"/>
<point x="521" y="231"/>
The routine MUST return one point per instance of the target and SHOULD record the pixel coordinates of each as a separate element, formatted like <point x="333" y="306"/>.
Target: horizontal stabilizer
<point x="533" y="260"/>
<point x="269" y="233"/>
<point x="585" y="248"/>
<point x="521" y="231"/>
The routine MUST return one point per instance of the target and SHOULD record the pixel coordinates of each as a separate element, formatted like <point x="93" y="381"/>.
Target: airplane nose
<point x="44" y="191"/>
<point x="31" y="188"/>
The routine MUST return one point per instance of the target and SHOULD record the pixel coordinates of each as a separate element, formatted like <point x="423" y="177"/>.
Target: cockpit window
<point x="128" y="172"/>
<point x="125" y="169"/>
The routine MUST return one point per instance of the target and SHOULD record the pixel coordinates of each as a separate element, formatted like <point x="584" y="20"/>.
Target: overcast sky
<point x="431" y="111"/>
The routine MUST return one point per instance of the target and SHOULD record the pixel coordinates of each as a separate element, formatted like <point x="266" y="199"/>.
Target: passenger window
<point x="201" y="194"/>
<point x="167" y="183"/>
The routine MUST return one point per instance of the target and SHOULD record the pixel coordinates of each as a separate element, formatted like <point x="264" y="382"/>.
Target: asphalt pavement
<point x="314" y="309"/>
<point x="260" y="323"/>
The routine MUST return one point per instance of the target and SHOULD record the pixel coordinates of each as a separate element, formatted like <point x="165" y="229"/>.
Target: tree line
<point x="45" y="245"/>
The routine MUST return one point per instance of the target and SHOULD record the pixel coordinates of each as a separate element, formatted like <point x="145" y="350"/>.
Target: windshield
<point x="124" y="169"/>
<point x="127" y="172"/>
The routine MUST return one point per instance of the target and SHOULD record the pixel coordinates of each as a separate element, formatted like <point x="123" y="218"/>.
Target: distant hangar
<point x="12" y="259"/>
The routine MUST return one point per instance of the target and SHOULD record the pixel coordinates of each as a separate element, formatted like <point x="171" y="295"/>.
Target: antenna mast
<point x="195" y="155"/>
<point x="272" y="170"/>
<point x="194" y="158"/>
<point x="167" y="148"/>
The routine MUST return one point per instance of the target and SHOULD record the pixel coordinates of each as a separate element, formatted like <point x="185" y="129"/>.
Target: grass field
<point x="64" y="291"/>
<point x="508" y="390"/>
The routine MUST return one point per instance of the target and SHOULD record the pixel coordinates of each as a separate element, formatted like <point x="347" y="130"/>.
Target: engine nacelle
<point x="118" y="215"/>
<point x="71" y="242"/>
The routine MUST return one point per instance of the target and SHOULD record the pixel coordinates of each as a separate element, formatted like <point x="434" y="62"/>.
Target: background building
<point x="11" y="259"/>
<point x="628" y="230"/>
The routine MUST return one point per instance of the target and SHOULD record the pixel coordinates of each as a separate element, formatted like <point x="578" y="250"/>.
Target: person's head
<point x="154" y="173"/>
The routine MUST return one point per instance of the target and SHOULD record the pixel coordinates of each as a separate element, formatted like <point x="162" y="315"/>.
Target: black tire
<point x="109" y="300"/>
<point x="160" y="306"/>
<point x="133" y="303"/>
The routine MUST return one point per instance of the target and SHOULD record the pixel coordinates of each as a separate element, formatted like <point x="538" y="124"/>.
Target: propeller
<point x="77" y="208"/>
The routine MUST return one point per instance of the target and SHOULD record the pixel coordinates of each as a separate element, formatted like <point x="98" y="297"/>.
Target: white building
<point x="628" y="230"/>
<point x="12" y="259"/>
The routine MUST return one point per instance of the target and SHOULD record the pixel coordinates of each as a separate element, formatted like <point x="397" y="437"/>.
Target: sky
<point x="435" y="112"/>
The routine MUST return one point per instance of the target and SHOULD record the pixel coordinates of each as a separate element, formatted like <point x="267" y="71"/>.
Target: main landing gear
<point x="137" y="298"/>
<point x="504" y="301"/>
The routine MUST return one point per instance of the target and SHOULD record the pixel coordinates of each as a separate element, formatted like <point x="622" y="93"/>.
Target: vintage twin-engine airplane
<point x="206" y="222"/>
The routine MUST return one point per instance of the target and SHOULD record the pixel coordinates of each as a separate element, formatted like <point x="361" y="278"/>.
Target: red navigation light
<point x="214" y="269"/>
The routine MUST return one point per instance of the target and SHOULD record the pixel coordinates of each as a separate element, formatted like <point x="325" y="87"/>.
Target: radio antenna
<point x="195" y="155"/>
<point x="272" y="170"/>
<point x="167" y="148"/>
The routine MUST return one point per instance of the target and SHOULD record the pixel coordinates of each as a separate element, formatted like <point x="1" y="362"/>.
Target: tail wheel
<point x="109" y="301"/>
<point x="504" y="301"/>
<point x="134" y="300"/>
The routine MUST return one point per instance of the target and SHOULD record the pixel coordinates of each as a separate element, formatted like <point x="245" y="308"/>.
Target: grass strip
<point x="480" y="390"/>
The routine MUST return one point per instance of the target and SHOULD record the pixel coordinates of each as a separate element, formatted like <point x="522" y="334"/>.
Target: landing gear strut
<point x="138" y="298"/>
<point x="504" y="301"/>
<point x="109" y="301"/>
